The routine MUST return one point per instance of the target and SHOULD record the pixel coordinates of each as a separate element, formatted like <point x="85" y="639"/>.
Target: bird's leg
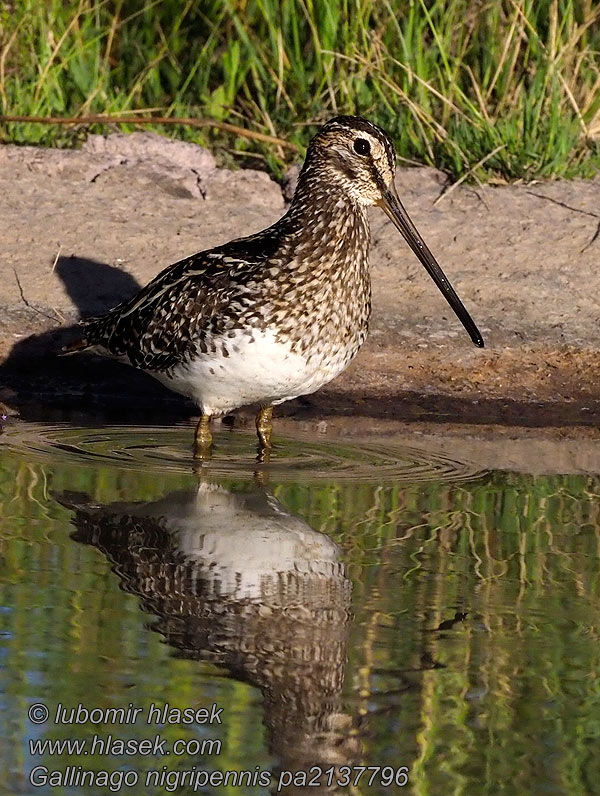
<point x="261" y="474"/>
<point x="264" y="427"/>
<point x="203" y="438"/>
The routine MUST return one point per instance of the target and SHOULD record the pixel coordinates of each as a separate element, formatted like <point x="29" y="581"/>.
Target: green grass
<point x="504" y="89"/>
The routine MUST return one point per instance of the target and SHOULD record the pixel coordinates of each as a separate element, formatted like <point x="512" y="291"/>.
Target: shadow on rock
<point x="411" y="406"/>
<point x="94" y="287"/>
<point x="43" y="385"/>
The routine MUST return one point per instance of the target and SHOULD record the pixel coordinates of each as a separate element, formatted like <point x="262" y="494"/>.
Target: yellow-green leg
<point x="203" y="439"/>
<point x="264" y="428"/>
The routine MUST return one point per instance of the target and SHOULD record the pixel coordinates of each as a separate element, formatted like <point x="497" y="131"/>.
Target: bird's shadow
<point x="94" y="287"/>
<point x="43" y="385"/>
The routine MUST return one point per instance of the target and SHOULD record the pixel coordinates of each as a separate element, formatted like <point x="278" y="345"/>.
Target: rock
<point x="81" y="230"/>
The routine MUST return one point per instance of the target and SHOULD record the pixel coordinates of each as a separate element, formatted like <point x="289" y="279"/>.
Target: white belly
<point x="257" y="370"/>
<point x="247" y="549"/>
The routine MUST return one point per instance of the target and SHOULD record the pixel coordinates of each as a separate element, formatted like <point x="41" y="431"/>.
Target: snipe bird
<point x="268" y="317"/>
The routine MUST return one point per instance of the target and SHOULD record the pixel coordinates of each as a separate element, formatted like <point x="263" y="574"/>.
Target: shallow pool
<point x="356" y="617"/>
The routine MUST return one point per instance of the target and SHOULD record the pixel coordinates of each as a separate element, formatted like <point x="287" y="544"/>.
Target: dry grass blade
<point x="190" y="122"/>
<point x="3" y="56"/>
<point x="72" y="24"/>
<point x="467" y="174"/>
<point x="552" y="62"/>
<point x="507" y="43"/>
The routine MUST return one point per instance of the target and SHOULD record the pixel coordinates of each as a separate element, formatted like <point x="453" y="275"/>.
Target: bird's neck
<point x="325" y="220"/>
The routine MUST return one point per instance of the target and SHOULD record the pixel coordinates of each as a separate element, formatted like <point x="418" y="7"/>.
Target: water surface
<point x="350" y="604"/>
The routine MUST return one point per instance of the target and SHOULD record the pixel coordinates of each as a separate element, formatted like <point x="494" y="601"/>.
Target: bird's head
<point x="356" y="154"/>
<point x="357" y="158"/>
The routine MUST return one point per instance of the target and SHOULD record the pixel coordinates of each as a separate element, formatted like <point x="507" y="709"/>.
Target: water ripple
<point x="168" y="449"/>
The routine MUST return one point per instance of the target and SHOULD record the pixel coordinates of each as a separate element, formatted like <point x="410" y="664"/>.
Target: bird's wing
<point x="166" y="322"/>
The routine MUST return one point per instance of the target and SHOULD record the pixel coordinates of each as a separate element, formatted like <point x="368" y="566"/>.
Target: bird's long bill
<point x="393" y="207"/>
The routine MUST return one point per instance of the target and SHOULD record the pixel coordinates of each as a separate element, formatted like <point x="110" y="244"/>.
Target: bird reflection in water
<point x="237" y="580"/>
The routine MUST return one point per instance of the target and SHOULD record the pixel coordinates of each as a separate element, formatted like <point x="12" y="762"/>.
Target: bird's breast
<point x="317" y="295"/>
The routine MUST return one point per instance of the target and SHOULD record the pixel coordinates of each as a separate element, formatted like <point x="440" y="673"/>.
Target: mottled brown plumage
<point x="277" y="314"/>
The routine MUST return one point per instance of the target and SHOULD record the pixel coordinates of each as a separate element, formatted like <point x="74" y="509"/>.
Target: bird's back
<point x="184" y="309"/>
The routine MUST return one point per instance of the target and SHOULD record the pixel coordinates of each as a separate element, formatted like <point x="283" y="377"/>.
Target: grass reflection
<point x="505" y="699"/>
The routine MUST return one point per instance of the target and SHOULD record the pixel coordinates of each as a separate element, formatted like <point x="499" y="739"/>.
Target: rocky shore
<point x="82" y="229"/>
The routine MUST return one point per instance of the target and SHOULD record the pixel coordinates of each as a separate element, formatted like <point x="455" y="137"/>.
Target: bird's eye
<point x="362" y="146"/>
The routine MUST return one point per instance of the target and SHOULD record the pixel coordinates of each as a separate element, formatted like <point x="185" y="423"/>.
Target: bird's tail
<point x="94" y="332"/>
